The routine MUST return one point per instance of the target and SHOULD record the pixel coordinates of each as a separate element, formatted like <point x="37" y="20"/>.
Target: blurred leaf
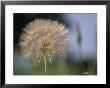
<point x="78" y="33"/>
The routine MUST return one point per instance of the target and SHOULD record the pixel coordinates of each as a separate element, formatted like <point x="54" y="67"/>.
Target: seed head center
<point x="45" y="42"/>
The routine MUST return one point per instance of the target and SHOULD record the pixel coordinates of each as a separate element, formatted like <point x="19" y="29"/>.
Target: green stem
<point x="45" y="66"/>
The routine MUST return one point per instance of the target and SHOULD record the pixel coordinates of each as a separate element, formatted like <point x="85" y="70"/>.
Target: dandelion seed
<point x="42" y="39"/>
<point x="50" y="59"/>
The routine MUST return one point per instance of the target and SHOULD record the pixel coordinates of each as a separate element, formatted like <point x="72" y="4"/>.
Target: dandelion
<point x="42" y="39"/>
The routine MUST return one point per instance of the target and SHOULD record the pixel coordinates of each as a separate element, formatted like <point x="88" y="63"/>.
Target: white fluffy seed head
<point x="43" y="38"/>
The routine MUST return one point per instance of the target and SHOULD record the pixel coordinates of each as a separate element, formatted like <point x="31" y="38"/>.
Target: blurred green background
<point x="24" y="66"/>
<point x="81" y="57"/>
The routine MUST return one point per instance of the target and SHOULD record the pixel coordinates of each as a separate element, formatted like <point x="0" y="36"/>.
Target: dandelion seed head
<point x="43" y="39"/>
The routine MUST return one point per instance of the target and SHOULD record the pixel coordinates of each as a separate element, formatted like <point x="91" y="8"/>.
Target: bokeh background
<point x="81" y="56"/>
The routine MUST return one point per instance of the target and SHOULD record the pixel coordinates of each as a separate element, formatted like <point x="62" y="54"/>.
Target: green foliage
<point x="63" y="67"/>
<point x="79" y="39"/>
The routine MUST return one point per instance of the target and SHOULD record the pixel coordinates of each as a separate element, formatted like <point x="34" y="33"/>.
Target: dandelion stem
<point x="45" y="65"/>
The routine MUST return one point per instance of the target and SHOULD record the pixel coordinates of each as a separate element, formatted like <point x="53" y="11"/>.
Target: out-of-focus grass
<point x="61" y="67"/>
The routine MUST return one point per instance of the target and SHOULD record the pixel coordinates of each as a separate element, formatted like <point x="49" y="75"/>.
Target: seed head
<point x="42" y="39"/>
